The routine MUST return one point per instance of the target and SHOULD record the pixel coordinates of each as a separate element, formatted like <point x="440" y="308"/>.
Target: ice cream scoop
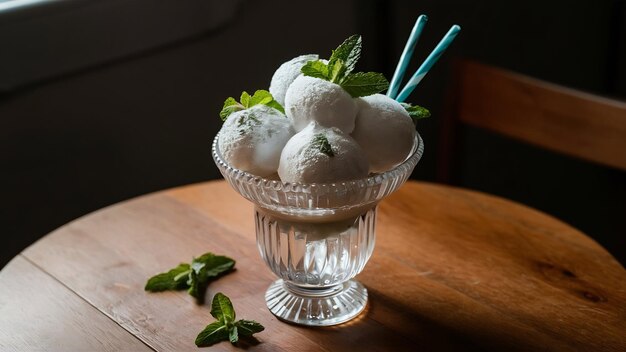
<point x="384" y="130"/>
<point x="314" y="99"/>
<point x="321" y="155"/>
<point x="252" y="140"/>
<point x="286" y="74"/>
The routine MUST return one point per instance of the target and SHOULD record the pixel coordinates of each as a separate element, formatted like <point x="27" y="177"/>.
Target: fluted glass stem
<point x="315" y="261"/>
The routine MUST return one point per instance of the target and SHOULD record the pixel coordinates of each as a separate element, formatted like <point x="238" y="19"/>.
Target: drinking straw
<point x="409" y="47"/>
<point x="428" y="63"/>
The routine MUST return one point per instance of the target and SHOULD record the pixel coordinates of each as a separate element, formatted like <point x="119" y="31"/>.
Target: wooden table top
<point x="452" y="270"/>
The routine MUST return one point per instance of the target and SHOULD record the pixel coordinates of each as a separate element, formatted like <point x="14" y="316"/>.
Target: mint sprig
<point x="316" y="68"/>
<point x="175" y="279"/>
<point x="246" y="101"/>
<point x="416" y="112"/>
<point x="362" y="84"/>
<point x="225" y="327"/>
<point x="194" y="277"/>
<point x="205" y="268"/>
<point x="348" y="53"/>
<point x="339" y="70"/>
<point x="230" y="105"/>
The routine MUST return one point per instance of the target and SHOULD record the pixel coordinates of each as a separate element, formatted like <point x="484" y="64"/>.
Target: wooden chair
<point x="533" y="111"/>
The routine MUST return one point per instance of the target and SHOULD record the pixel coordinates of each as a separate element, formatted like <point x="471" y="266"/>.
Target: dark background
<point x="103" y="101"/>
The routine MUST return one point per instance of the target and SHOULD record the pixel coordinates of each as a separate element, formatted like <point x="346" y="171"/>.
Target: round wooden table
<point x="452" y="270"/>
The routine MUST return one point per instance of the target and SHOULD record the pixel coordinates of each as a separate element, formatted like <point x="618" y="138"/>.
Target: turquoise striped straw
<point x="409" y="47"/>
<point x="428" y="63"/>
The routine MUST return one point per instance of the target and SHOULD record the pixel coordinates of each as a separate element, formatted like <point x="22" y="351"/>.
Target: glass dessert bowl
<point x="316" y="238"/>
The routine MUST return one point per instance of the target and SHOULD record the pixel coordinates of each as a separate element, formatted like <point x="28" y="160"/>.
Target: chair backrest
<point x="537" y="112"/>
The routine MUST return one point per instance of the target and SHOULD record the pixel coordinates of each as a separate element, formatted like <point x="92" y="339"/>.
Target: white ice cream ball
<point x="314" y="99"/>
<point x="252" y="140"/>
<point x="286" y="74"/>
<point x="384" y="130"/>
<point x="306" y="158"/>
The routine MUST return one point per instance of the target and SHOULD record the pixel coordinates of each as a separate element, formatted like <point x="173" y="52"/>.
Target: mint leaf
<point x="321" y="143"/>
<point x="212" y="334"/>
<point x="248" y="327"/>
<point x="175" y="279"/>
<point x="230" y="105"/>
<point x="225" y="328"/>
<point x="194" y="277"/>
<point x="337" y="71"/>
<point x="261" y="97"/>
<point x="245" y="99"/>
<point x="362" y="84"/>
<point x="316" y="69"/>
<point x="196" y="287"/>
<point x="205" y="268"/>
<point x="222" y="308"/>
<point x="233" y="335"/>
<point x="416" y="112"/>
<point x="349" y="52"/>
<point x="210" y="265"/>
<point x="276" y="105"/>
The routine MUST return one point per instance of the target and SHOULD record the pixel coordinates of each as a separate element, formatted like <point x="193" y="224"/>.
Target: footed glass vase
<point x="316" y="238"/>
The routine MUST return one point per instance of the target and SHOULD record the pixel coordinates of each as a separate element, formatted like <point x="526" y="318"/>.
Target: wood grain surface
<point x="40" y="314"/>
<point x="541" y="113"/>
<point x="452" y="270"/>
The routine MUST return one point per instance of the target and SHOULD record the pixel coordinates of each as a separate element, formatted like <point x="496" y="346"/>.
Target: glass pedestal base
<point x="316" y="306"/>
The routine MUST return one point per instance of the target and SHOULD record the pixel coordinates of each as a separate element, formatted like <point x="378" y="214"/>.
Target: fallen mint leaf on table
<point x="175" y="279"/>
<point x="212" y="334"/>
<point x="233" y="336"/>
<point x="195" y="276"/>
<point x="225" y="328"/>
<point x="222" y="309"/>
<point x="205" y="268"/>
<point x="248" y="327"/>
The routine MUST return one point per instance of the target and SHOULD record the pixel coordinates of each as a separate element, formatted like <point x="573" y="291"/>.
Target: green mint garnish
<point x="212" y="334"/>
<point x="246" y="101"/>
<point x="194" y="277"/>
<point x="230" y="105"/>
<point x="205" y="268"/>
<point x="416" y="112"/>
<point x="316" y="69"/>
<point x="362" y="84"/>
<point x="339" y="70"/>
<point x="225" y="327"/>
<point x="348" y="53"/>
<point x="175" y="279"/>
<point x="321" y="142"/>
<point x="260" y="97"/>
